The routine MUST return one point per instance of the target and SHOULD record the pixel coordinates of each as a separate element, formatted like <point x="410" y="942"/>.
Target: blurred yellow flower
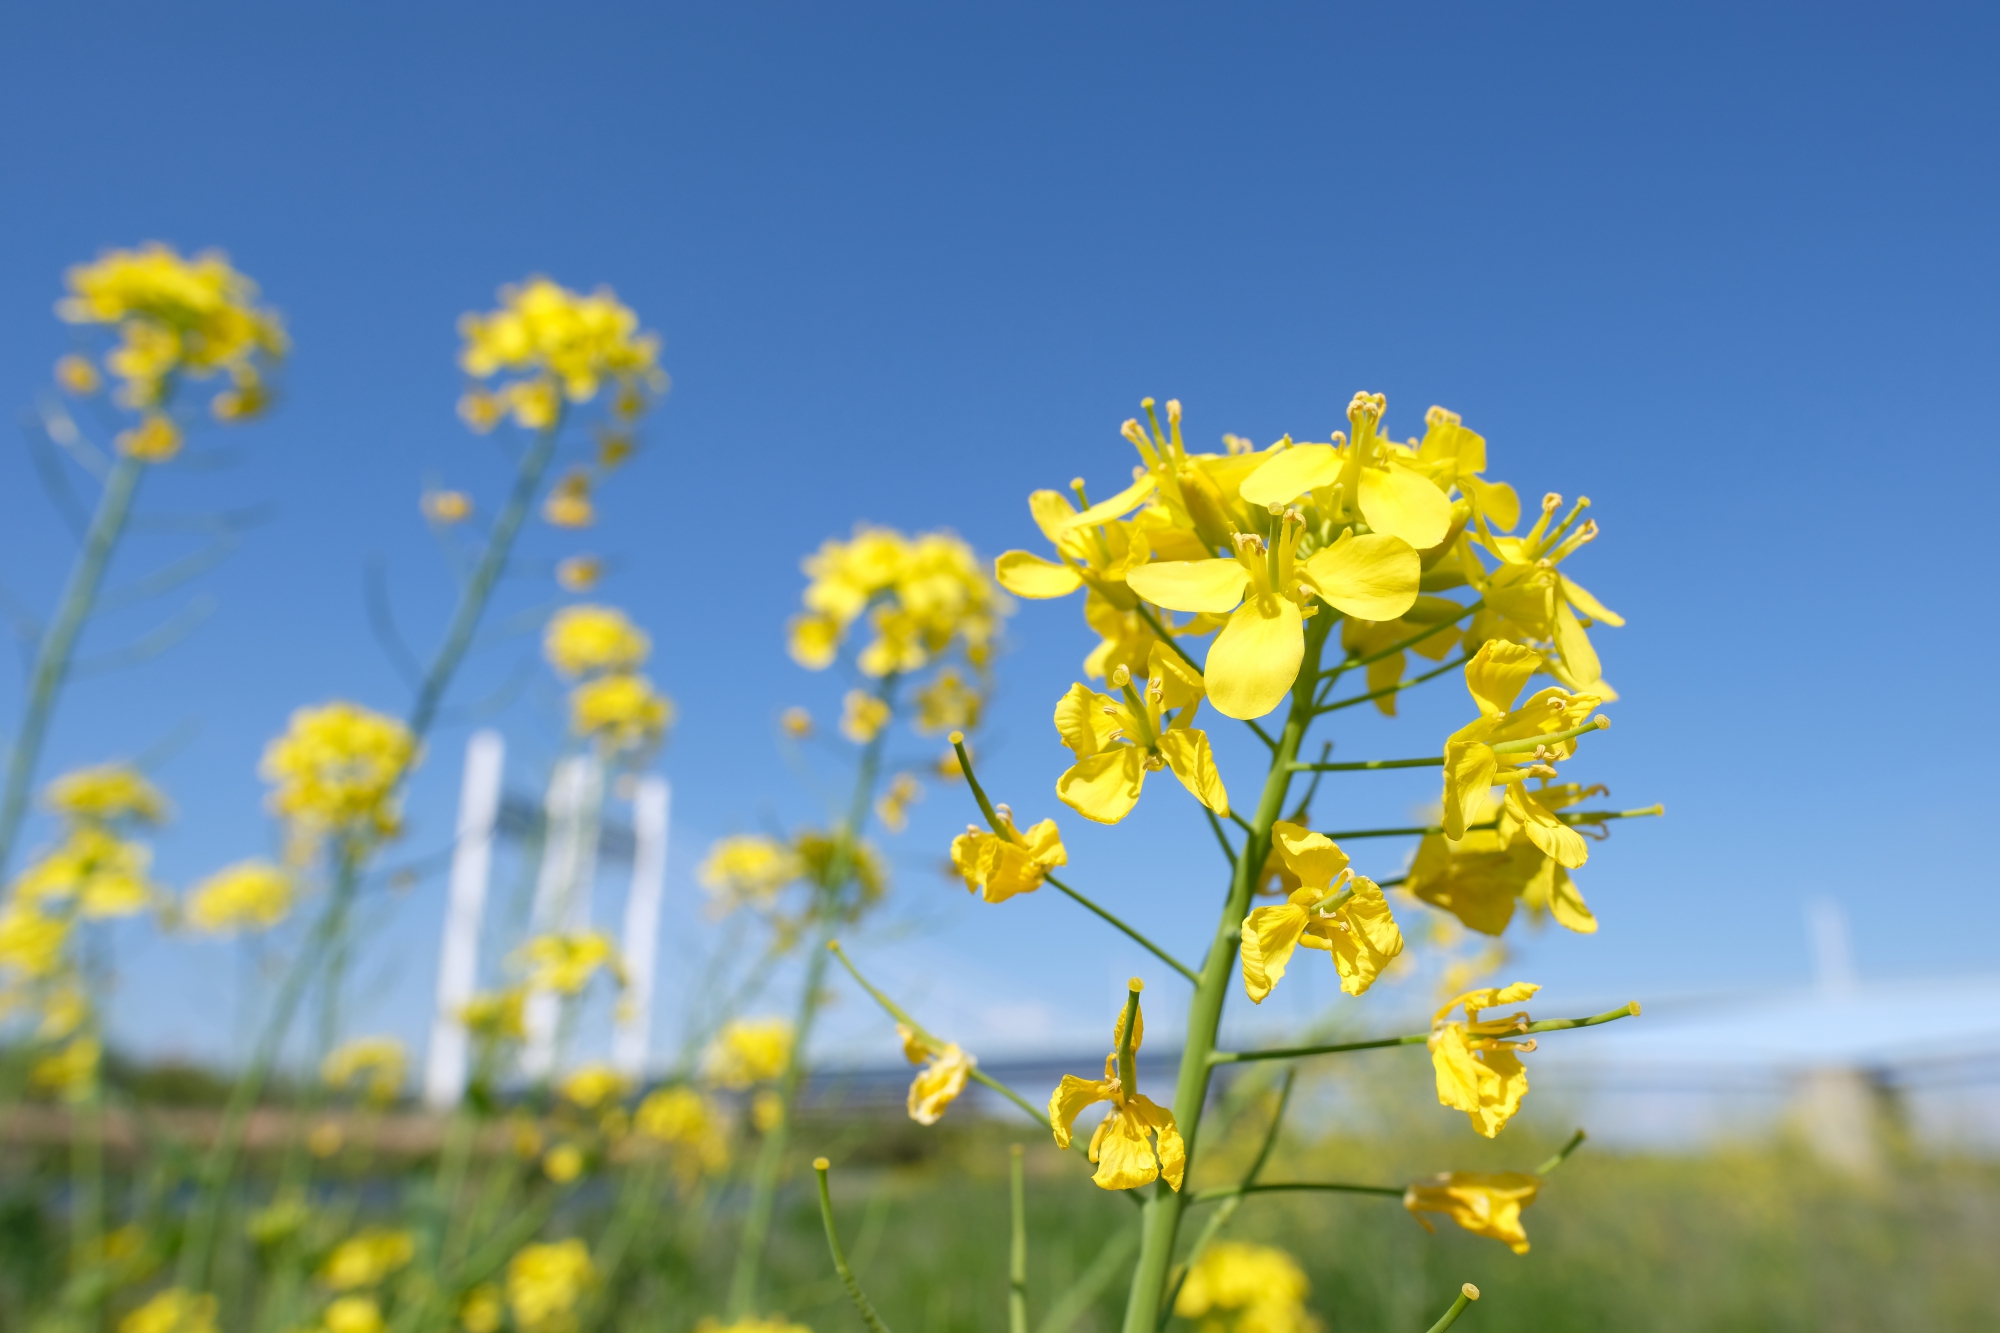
<point x="563" y="1163"/>
<point x="542" y="329"/>
<point x="106" y="794"/>
<point x="496" y="1015"/>
<point x="949" y="702"/>
<point x="862" y="716"/>
<point x="447" y="506"/>
<point x="585" y="640"/>
<point x="594" y="1085"/>
<point x="483" y="1310"/>
<point x="1479" y="878"/>
<point x="545" y="1283"/>
<point x="1478" y="1070"/>
<point x="71" y="1071"/>
<point x="996" y="868"/>
<point x="749" y="1051"/>
<point x="366" y="1258"/>
<point x="1333" y="909"/>
<point x="568" y="504"/>
<point x="945" y="1067"/>
<point x="75" y="374"/>
<point x="1484" y="1203"/>
<point x="374" y="1064"/>
<point x="336" y="770"/>
<point x="767" y="1110"/>
<point x="326" y="1138"/>
<point x="250" y="895"/>
<point x="103" y="874"/>
<point x="687" y="1123"/>
<point x="797" y="722"/>
<point x="353" y="1314"/>
<point x="754" y="1324"/>
<point x="1235" y="1287"/>
<point x="893" y="806"/>
<point x="922" y="595"/>
<point x="579" y="573"/>
<point x="156" y="439"/>
<point x="172" y="1311"/>
<point x="1124" y="1145"/>
<point x="623" y="712"/>
<point x="566" y="962"/>
<point x="748" y="868"/>
<point x="31" y="942"/>
<point x="1118" y="741"/>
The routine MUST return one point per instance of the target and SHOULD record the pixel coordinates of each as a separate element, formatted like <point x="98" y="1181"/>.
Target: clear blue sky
<point x="1728" y="270"/>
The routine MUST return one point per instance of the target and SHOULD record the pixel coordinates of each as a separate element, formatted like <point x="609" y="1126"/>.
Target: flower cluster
<point x="920" y="596"/>
<point x="612" y="703"/>
<point x="558" y="346"/>
<point x="176" y="319"/>
<point x="1235" y="1287"/>
<point x="336" y="771"/>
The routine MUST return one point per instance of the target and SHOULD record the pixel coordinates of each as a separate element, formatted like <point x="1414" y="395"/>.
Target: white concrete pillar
<point x="563" y="889"/>
<point x="465" y="908"/>
<point x="640" y="945"/>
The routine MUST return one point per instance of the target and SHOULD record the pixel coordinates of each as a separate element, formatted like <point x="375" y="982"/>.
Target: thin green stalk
<point x="847" y="1278"/>
<point x="1067" y="1308"/>
<point x="1562" y="1153"/>
<point x="1467" y="1294"/>
<point x="58" y="644"/>
<point x="771" y="1154"/>
<point x="86" y="1236"/>
<point x="1162" y="1214"/>
<point x="1220" y="1217"/>
<point x="1418" y="1038"/>
<point x="1279" y="1187"/>
<point x="1017" y="1250"/>
<point x="1571" y="817"/>
<point x="1386" y="690"/>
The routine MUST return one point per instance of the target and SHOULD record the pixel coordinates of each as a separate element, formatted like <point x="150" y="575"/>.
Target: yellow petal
<point x="1496" y="674"/>
<point x="1028" y="575"/>
<point x="1052" y="512"/>
<point x="1104" y="787"/>
<point x="1371" y="941"/>
<point x="1082" y="722"/>
<point x="1190" y="585"/>
<point x="1460" y="1078"/>
<point x="1187" y="754"/>
<point x="1469" y="769"/>
<point x="1172" y="1149"/>
<point x="1384" y="674"/>
<point x="1313" y="857"/>
<point x="1574" y="593"/>
<point x="1566" y="904"/>
<point x="1579" y="659"/>
<point x="1180" y="684"/>
<point x="1069" y="1099"/>
<point x="1404" y="504"/>
<point x="1253" y="662"/>
<point x="1123" y="1151"/>
<point x="1372" y="576"/>
<point x="1558" y="840"/>
<point x="1117" y="506"/>
<point x="1290" y="474"/>
<point x="1269" y="936"/>
<point x="1494" y="499"/>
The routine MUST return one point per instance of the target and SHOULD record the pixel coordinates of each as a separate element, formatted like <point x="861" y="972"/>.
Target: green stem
<point x="1416" y="1038"/>
<point x="1397" y="688"/>
<point x="1220" y="1217"/>
<point x="1367" y="765"/>
<point x="58" y="645"/>
<point x="1137" y="938"/>
<point x="1572" y="818"/>
<point x="1467" y="1294"/>
<point x="867" y="1311"/>
<point x="1162" y="1214"/>
<point x="1562" y="1153"/>
<point x="771" y="1153"/>
<point x="1277" y="1187"/>
<point x="1017" y="1250"/>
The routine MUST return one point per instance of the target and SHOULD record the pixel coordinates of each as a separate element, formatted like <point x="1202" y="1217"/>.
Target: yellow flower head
<point x="996" y="868"/>
<point x="353" y="1314"/>
<point x="543" y="331"/>
<point x="106" y="794"/>
<point x="1240" y="1288"/>
<point x="748" y="868"/>
<point x="103" y="874"/>
<point x="71" y="1071"/>
<point x="175" y="317"/>
<point x="250" y="895"/>
<point x="374" y="1064"/>
<point x="366" y="1258"/>
<point x="921" y="595"/>
<point x="579" y="573"/>
<point x="565" y="963"/>
<point x="1507" y="745"/>
<point x="1480" y="878"/>
<point x="893" y="807"/>
<point x="753" y="1324"/>
<point x="818" y="851"/>
<point x="862" y="716"/>
<point x="944" y="1067"/>
<point x="689" y="1125"/>
<point x="950" y="702"/>
<point x="563" y="1163"/>
<point x="446" y="507"/>
<point x="174" y="1310"/>
<point x="586" y="640"/>
<point x="1138" y="1141"/>
<point x="595" y="1085"/>
<point x="483" y="1310"/>
<point x="1529" y="597"/>
<point x="76" y="375"/>
<point x="1484" y="1203"/>
<point x="497" y="1015"/>
<point x="623" y="712"/>
<point x="545" y="1283"/>
<point x="1333" y="909"/>
<point x="568" y="504"/>
<point x="336" y="770"/>
<point x="31" y="942"/>
<point x="1118" y="741"/>
<point x="797" y="722"/>
<point x="749" y="1051"/>
<point x="1478" y="1069"/>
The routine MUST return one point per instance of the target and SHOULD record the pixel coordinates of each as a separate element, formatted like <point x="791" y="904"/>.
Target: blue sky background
<point x="1729" y="271"/>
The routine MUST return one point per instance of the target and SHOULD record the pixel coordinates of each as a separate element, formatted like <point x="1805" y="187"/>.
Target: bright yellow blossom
<point x="366" y="1258"/>
<point x="1528" y="596"/>
<point x="250" y="895"/>
<point x="1484" y="1203"/>
<point x="496" y="1015"/>
<point x="1507" y="745"/>
<point x="336" y="770"/>
<point x="1118" y="741"/>
<point x="1138" y="1141"/>
<point x="944" y="1067"/>
<point x="156" y="439"/>
<point x="546" y="1282"/>
<point x="594" y="1085"/>
<point x="565" y="962"/>
<point x="893" y="806"/>
<point x="1235" y="1287"/>
<point x="863" y="715"/>
<point x="584" y="640"/>
<point x="922" y="594"/>
<point x="106" y="794"/>
<point x="103" y="874"/>
<point x="1478" y="1069"/>
<point x="483" y="1310"/>
<point x="31" y="942"/>
<point x="753" y="1324"/>
<point x="622" y="711"/>
<point x="1333" y="909"/>
<point x="997" y="867"/>
<point x="375" y="1064"/>
<point x="563" y="1163"/>
<point x="690" y="1125"/>
<point x="446" y="506"/>
<point x="1480" y="878"/>
<point x="749" y="1051"/>
<point x="576" y="342"/>
<point x="949" y="702"/>
<point x="71" y="1071"/>
<point x="579" y="573"/>
<point x="568" y="504"/>
<point x="78" y="376"/>
<point x="353" y="1314"/>
<point x="174" y="1310"/>
<point x="748" y="868"/>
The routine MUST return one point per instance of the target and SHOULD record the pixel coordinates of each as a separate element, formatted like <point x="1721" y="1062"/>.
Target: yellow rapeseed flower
<point x="106" y="794"/>
<point x="893" y="806"/>
<point x="1333" y="909"/>
<point x="568" y="504"/>
<point x="32" y="942"/>
<point x="748" y="868"/>
<point x="446" y="506"/>
<point x="546" y="1282"/>
<point x="949" y="702"/>
<point x="76" y="375"/>
<point x="1138" y="1141"/>
<point x="943" y="1069"/>
<point x="1480" y="877"/>
<point x="594" y="1085"/>
<point x="586" y="640"/>
<point x="69" y="1072"/>
<point x="352" y="1314"/>
<point x="103" y="874"/>
<point x="579" y="573"/>
<point x="563" y="1163"/>
<point x="690" y="1125"/>
<point x="797" y="722"/>
<point x="577" y="342"/>
<point x="623" y="712"/>
<point x="1529" y="597"/>
<point x="374" y="1064"/>
<point x="483" y="1310"/>
<point x="336" y="770"/>
<point x="174" y="1310"/>
<point x="1235" y="1287"/>
<point x="996" y="868"/>
<point x="1478" y="1069"/>
<point x="862" y="716"/>
<point x="566" y="962"/>
<point x="1484" y="1203"/>
<point x="366" y="1258"/>
<point x="250" y="895"/>
<point x="754" y="1324"/>
<point x="496" y="1015"/>
<point x="1118" y="741"/>
<point x="749" y="1051"/>
<point x="922" y="594"/>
